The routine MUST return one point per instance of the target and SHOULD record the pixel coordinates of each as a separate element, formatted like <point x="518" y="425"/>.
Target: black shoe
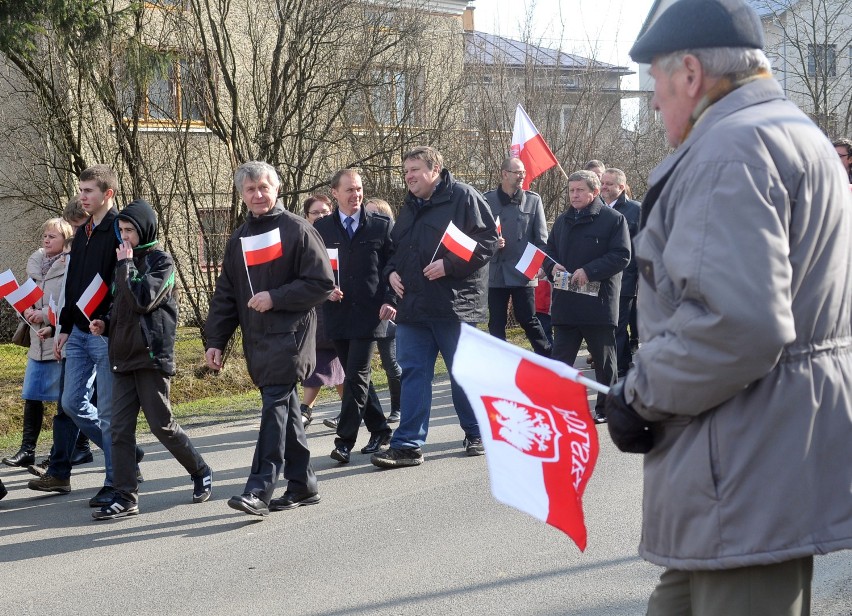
<point x="394" y="458"/>
<point x="139" y="477"/>
<point x="103" y="498"/>
<point x="473" y="446"/>
<point x="248" y="503"/>
<point x="202" y="485"/>
<point x="331" y="423"/>
<point x="22" y="459"/>
<point x="307" y="416"/>
<point x="39" y="469"/>
<point x="291" y="500"/>
<point x="81" y="456"/>
<point x="341" y="454"/>
<point x="140" y="453"/>
<point x="634" y="345"/>
<point x="393" y="417"/>
<point x="118" y="508"/>
<point x="598" y="417"/>
<point x="379" y="441"/>
<point x="3" y="491"/>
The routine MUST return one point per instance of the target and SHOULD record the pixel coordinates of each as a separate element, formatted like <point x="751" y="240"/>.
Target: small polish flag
<point x="262" y="248"/>
<point x="531" y="261"/>
<point x="530" y="147"/>
<point x="51" y="311"/>
<point x="332" y="256"/>
<point x="458" y="243"/>
<point x="7" y="283"/>
<point x="92" y="296"/>
<point x="25" y="295"/>
<point x="499" y="227"/>
<point x="541" y="443"/>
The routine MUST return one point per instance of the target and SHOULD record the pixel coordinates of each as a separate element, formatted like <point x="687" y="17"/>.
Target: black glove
<point x="628" y="430"/>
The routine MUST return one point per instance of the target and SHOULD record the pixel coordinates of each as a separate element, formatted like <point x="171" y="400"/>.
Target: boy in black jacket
<point x="143" y="322"/>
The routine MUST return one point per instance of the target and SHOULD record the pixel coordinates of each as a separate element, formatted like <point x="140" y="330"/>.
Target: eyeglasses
<point x="318" y="213"/>
<point x="843" y="155"/>
<point x="520" y="174"/>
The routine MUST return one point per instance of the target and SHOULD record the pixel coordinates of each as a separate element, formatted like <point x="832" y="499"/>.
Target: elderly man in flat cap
<point x="741" y="395"/>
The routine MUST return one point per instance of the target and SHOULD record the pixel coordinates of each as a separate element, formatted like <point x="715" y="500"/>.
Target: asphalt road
<point x="423" y="540"/>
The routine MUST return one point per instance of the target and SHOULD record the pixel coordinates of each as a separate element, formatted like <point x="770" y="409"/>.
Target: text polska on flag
<point x="540" y="441"/>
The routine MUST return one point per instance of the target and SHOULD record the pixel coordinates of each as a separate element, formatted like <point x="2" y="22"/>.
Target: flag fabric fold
<point x="7" y="283"/>
<point x="262" y="248"/>
<point x="499" y="227"/>
<point x="25" y="295"/>
<point x="92" y="296"/>
<point x="457" y="242"/>
<point x="531" y="261"/>
<point x="540" y="440"/>
<point x="530" y="147"/>
<point x="333" y="257"/>
<point x="51" y="311"/>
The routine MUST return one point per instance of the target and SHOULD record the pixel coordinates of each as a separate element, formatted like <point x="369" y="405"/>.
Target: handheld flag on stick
<point x="530" y="147"/>
<point x="92" y="296"/>
<point x="25" y="295"/>
<point x="7" y="283"/>
<point x="51" y="311"/>
<point x="540" y="441"/>
<point x="499" y="227"/>
<point x="531" y="261"/>
<point x="263" y="248"/>
<point x="457" y="242"/>
<point x="335" y="263"/>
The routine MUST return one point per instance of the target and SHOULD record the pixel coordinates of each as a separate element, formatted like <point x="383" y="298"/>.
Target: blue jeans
<point x="417" y="349"/>
<point x="85" y="357"/>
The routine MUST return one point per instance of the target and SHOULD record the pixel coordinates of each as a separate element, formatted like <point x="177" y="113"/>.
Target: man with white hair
<point x="274" y="272"/>
<point x="741" y="394"/>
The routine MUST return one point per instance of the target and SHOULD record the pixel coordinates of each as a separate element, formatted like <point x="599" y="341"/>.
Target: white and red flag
<point x="262" y="248"/>
<point x="531" y="261"/>
<point x="7" y="283"/>
<point x="499" y="226"/>
<point x="541" y="443"/>
<point x="332" y="256"/>
<point x="457" y="242"/>
<point x="530" y="147"/>
<point x="92" y="296"/>
<point x="51" y="311"/>
<point x="25" y="295"/>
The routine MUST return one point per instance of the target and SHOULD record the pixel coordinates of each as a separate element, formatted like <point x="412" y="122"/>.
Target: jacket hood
<point x="141" y="215"/>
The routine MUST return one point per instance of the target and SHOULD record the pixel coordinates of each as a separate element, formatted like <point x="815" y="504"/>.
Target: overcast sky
<point x="603" y="29"/>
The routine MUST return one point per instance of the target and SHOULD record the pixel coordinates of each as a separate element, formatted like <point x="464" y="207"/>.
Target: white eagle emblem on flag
<point x="526" y="428"/>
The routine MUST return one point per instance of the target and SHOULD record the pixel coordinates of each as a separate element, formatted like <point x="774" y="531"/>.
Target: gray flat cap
<point x="695" y="24"/>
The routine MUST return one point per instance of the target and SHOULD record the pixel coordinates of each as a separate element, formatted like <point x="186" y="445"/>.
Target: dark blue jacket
<point x="632" y="212"/>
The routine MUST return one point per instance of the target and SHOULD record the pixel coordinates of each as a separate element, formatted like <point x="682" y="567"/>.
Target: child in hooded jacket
<point x="143" y="324"/>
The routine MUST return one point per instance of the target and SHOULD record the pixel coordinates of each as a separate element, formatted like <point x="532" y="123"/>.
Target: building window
<point x="213" y="235"/>
<point x="566" y="114"/>
<point x="822" y="61"/>
<point x="390" y="99"/>
<point x="173" y="92"/>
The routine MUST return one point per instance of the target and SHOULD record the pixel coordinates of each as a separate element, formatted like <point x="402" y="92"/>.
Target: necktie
<point x="348" y="222"/>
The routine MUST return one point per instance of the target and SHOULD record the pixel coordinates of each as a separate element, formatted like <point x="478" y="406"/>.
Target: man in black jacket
<point x="591" y="242"/>
<point x="613" y="185"/>
<point x="274" y="272"/>
<point x="354" y="315"/>
<point x="438" y="290"/>
<point x="92" y="256"/>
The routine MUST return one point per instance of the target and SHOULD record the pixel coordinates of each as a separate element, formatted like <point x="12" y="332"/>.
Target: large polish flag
<point x="458" y="243"/>
<point x="25" y="295"/>
<point x="332" y="256"/>
<point x="92" y="296"/>
<point x="262" y="248"/>
<point x="541" y="443"/>
<point x="7" y="283"/>
<point x="530" y="147"/>
<point x="531" y="261"/>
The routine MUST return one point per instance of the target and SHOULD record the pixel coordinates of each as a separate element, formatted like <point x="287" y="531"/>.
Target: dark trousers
<point x="148" y="389"/>
<point x="622" y="339"/>
<point x="387" y="353"/>
<point x="600" y="339"/>
<point x="281" y="443"/>
<point x="546" y="325"/>
<point x="523" y="305"/>
<point x="359" y="398"/>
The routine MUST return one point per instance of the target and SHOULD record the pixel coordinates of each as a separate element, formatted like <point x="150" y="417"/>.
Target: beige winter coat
<point x="745" y="314"/>
<point x="51" y="284"/>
